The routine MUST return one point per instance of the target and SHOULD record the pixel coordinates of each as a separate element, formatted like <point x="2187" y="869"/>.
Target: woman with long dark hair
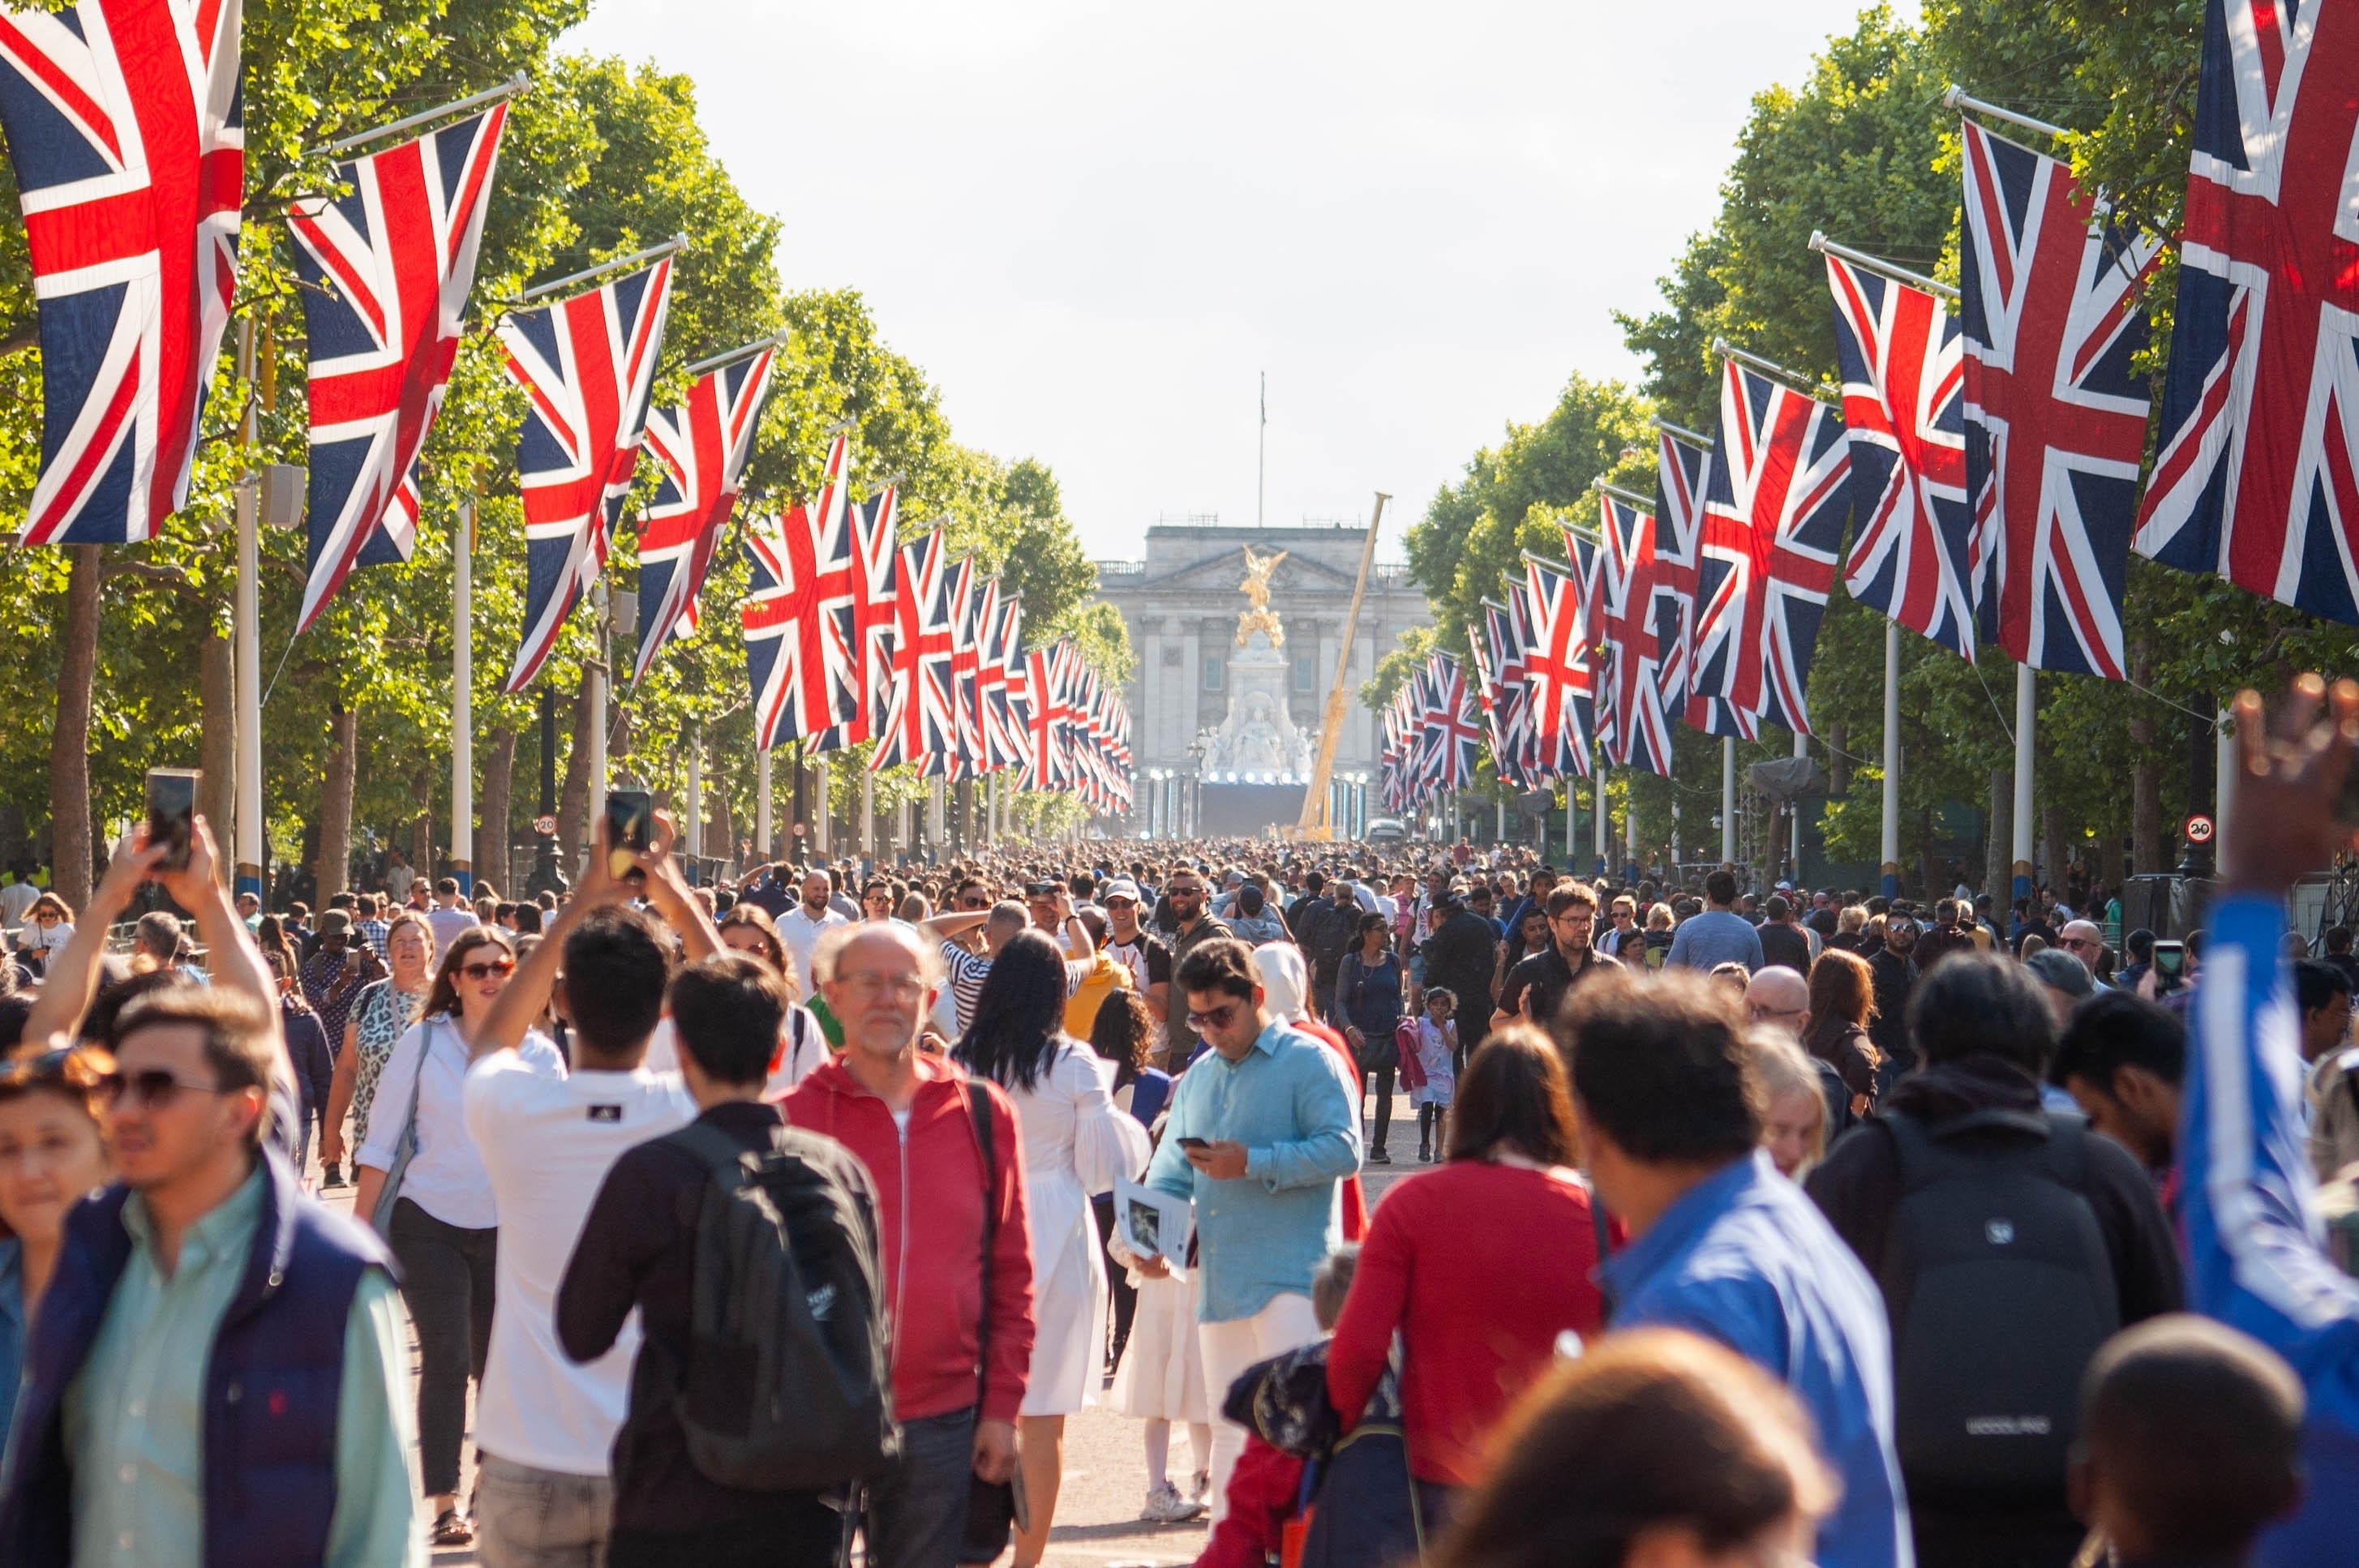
<point x="1842" y="1006"/>
<point x="1367" y="1009"/>
<point x="1076" y="1142"/>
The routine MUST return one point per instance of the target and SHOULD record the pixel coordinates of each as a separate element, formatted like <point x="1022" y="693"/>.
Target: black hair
<point x="2196" y="1428"/>
<point x="1221" y="965"/>
<point x="2139" y="945"/>
<point x="1982" y="1004"/>
<point x="1019" y="1015"/>
<point x="1371" y="919"/>
<point x="1721" y="887"/>
<point x="1660" y="1067"/>
<point x="2338" y="938"/>
<point x="1249" y="901"/>
<point x="2315" y="983"/>
<point x="1314" y="882"/>
<point x="2119" y="1028"/>
<point x="617" y="962"/>
<point x="727" y="1010"/>
<point x="1777" y="908"/>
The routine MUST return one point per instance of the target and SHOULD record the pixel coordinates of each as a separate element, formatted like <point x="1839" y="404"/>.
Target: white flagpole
<point x="246" y="651"/>
<point x="1571" y="823"/>
<point x="1802" y="749"/>
<point x="868" y="813"/>
<point x="462" y="699"/>
<point x="2225" y="791"/>
<point x="820" y="812"/>
<point x="598" y="601"/>
<point x="2026" y="723"/>
<point x="1630" y="829"/>
<point x="1728" y="800"/>
<point x="762" y="835"/>
<point x="692" y="832"/>
<point x="1891" y="836"/>
<point x="1600" y="829"/>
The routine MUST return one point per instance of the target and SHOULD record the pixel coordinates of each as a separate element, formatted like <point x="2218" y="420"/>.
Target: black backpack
<point x="787" y="1386"/>
<point x="1333" y="932"/>
<point x="1999" y="1287"/>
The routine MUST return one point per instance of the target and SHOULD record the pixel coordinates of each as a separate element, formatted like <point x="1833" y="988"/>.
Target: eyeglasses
<point x="1177" y="892"/>
<point x="1217" y="1018"/>
<point x="476" y="974"/>
<point x="868" y="988"/>
<point x="153" y="1086"/>
<point x="1758" y="1013"/>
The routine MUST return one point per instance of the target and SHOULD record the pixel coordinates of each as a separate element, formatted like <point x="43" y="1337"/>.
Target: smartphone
<point x="1193" y="1143"/>
<point x="2170" y="957"/>
<point x="172" y="812"/>
<point x="630" y="828"/>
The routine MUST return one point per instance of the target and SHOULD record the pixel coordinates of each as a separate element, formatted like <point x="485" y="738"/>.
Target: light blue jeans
<point x="541" y="1518"/>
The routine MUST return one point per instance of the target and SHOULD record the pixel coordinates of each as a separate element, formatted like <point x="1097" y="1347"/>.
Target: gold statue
<point x="1256" y="587"/>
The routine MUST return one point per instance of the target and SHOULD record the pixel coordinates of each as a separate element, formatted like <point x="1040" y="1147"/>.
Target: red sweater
<point x="1480" y="1267"/>
<point x="933" y="1247"/>
<point x="1353" y="1200"/>
<point x="1262" y="1495"/>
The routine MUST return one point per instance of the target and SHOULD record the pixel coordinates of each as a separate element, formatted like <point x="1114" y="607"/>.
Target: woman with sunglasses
<point x="380" y="1014"/>
<point x="49" y="926"/>
<point x="443" y="1223"/>
<point x="51" y="1154"/>
<point x="805" y="1036"/>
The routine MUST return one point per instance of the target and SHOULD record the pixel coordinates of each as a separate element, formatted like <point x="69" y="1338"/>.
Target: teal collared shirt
<point x="1262" y="1234"/>
<point x="135" y="1413"/>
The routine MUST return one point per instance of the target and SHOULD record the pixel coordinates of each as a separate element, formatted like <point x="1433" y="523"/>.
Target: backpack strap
<point x="723" y="1157"/>
<point x="978" y="1104"/>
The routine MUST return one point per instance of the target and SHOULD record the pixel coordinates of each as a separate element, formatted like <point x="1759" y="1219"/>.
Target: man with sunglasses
<point x="1138" y="950"/>
<point x="2085" y="940"/>
<point x="1193" y="926"/>
<point x="1261" y="1131"/>
<point x="219" y="1358"/>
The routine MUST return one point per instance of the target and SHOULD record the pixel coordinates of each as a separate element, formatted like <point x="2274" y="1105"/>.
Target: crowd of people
<point x="788" y="1220"/>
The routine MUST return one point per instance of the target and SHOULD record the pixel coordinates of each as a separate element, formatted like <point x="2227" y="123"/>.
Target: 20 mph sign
<point x="2199" y="830"/>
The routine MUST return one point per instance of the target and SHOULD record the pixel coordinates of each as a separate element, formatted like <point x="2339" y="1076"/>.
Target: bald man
<point x="2086" y="942"/>
<point x="1777" y="995"/>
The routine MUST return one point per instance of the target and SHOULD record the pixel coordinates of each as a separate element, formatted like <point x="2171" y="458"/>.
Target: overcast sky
<point x="1094" y="225"/>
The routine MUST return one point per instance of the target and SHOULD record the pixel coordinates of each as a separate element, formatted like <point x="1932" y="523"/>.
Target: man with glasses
<point x="1536" y="986"/>
<point x="1779" y="997"/>
<point x="1626" y="928"/>
<point x="950" y="1218"/>
<point x="1261" y="1129"/>
<point x="1146" y="955"/>
<point x="1193" y="928"/>
<point x="2085" y="941"/>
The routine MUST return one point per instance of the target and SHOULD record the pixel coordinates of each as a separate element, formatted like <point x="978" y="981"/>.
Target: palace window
<point x="1306" y="673"/>
<point x="1213" y="672"/>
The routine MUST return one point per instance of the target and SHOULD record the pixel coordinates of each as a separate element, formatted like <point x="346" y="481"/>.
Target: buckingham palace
<point x="1226" y="707"/>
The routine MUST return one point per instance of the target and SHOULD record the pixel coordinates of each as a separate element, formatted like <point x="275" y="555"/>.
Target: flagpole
<point x="1572" y="822"/>
<point x="821" y="806"/>
<point x="868" y="815"/>
<point x="1630" y="827"/>
<point x="598" y="602"/>
<point x="762" y="834"/>
<point x="2223" y="733"/>
<point x="2027" y="723"/>
<point x="462" y="698"/>
<point x="692" y="832"/>
<point x="1601" y="826"/>
<point x="509" y="89"/>
<point x="1794" y="811"/>
<point x="1728" y="800"/>
<point x="247" y="653"/>
<point x="1890" y="841"/>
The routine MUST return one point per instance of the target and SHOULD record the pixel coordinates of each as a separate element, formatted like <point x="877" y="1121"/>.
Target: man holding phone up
<point x="1262" y="1130"/>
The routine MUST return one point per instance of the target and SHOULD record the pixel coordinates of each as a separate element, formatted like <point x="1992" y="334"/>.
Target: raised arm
<point x="232" y="958"/>
<point x="72" y="976"/>
<point x="668" y="892"/>
<point x="527" y="991"/>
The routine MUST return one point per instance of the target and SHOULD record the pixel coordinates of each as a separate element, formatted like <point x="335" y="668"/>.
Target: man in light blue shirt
<point x="1718" y="936"/>
<point x="1261" y="1129"/>
<point x="1723" y="1246"/>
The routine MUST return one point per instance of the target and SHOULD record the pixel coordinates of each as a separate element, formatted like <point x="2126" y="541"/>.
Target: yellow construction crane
<point x="1315" y="823"/>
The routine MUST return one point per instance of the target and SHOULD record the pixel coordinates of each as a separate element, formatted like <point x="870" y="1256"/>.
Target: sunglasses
<point x="1217" y="1018"/>
<point x="153" y="1086"/>
<point x="478" y="973"/>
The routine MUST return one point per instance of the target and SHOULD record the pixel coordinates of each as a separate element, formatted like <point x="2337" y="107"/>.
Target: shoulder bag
<point x="407" y="1148"/>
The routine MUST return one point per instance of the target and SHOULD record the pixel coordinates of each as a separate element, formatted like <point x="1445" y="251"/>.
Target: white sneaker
<point x="1166" y="1505"/>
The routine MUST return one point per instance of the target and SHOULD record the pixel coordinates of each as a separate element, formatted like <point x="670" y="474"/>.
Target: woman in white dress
<point x="1076" y="1142"/>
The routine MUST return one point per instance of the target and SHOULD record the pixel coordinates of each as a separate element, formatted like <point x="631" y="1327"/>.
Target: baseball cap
<point x="2060" y="971"/>
<point x="1121" y="887"/>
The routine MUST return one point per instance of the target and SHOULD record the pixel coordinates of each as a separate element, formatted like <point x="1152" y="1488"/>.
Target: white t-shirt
<point x="800" y="933"/>
<point x="548" y="1141"/>
<point x="803" y="1047"/>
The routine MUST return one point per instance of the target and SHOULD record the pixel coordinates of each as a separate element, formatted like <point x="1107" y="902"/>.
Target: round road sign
<point x="545" y="826"/>
<point x="2199" y="829"/>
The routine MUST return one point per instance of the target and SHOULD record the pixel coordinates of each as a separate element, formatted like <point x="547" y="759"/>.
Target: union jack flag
<point x="127" y="134"/>
<point x="1773" y="529"/>
<point x="999" y="679"/>
<point x="1556" y="669"/>
<point x="796" y="615"/>
<point x="875" y="555"/>
<point x="1453" y="729"/>
<point x="588" y="365"/>
<point x="918" y="722"/>
<point x="1682" y="473"/>
<point x="391" y="266"/>
<point x="1048" y="691"/>
<point x="700" y="452"/>
<point x="2055" y="419"/>
<point x="1511" y="728"/>
<point x="2256" y="461"/>
<point x="1626" y="638"/>
<point x="962" y="593"/>
<point x="1904" y="386"/>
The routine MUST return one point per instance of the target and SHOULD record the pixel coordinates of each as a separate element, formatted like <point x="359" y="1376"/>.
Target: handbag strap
<point x="978" y="1104"/>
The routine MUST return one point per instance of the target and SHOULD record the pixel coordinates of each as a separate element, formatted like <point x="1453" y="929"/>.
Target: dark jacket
<point x="637" y="1248"/>
<point x="1894" y="976"/>
<point x="1940" y="943"/>
<point x="1785" y="944"/>
<point x="1461" y="957"/>
<point x="1846" y="1048"/>
<point x="308" y="1048"/>
<point x="271" y="1388"/>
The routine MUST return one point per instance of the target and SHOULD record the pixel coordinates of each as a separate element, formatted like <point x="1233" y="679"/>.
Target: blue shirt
<point x="12" y="1331"/>
<point x="1744" y="1258"/>
<point x="2248" y="1213"/>
<point x="1715" y="937"/>
<point x="1264" y="1232"/>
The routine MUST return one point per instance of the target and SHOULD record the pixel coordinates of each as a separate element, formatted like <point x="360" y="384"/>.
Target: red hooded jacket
<point x="930" y="1189"/>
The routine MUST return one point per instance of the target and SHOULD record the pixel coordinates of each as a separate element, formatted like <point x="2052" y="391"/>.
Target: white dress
<point x="1076" y="1142"/>
<point x="1162" y="1373"/>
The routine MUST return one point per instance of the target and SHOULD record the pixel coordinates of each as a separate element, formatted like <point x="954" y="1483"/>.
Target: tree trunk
<point x="2146" y="771"/>
<point x="2051" y="845"/>
<point x="1838" y="765"/>
<point x="492" y="831"/>
<point x="1999" y="854"/>
<point x="720" y="823"/>
<point x="421" y="826"/>
<point x="217" y="747"/>
<point x="69" y="848"/>
<point x="573" y="794"/>
<point x="332" y="874"/>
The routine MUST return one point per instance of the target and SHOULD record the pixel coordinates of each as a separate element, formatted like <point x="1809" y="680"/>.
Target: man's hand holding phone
<point x="1221" y="1159"/>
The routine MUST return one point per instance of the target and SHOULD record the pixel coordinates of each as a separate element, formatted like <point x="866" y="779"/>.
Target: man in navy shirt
<point x="1720" y="1244"/>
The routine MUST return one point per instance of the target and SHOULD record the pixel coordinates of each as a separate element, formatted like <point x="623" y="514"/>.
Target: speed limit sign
<point x="2199" y="830"/>
<point x="544" y="825"/>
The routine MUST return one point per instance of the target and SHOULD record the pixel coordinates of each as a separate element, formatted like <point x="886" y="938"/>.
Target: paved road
<point x="1105" y="1467"/>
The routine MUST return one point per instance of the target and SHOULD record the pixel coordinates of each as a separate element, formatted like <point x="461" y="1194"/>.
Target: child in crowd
<point x="1436" y="1048"/>
<point x="1161" y="1379"/>
<point x="2190" y="1446"/>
